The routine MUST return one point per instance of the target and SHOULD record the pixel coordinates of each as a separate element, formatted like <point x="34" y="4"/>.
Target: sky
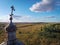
<point x="30" y="10"/>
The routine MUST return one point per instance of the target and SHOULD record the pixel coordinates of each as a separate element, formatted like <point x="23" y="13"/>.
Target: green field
<point x="35" y="33"/>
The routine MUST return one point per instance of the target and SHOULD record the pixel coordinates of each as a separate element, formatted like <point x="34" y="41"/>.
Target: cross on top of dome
<point x="11" y="27"/>
<point x="12" y="9"/>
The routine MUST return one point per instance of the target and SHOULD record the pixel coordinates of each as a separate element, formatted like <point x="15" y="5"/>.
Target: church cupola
<point x="11" y="32"/>
<point x="11" y="27"/>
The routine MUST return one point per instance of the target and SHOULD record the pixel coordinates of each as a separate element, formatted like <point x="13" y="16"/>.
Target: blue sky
<point x="31" y="10"/>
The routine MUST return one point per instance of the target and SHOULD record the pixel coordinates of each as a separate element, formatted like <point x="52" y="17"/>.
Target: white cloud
<point x="50" y="17"/>
<point x="4" y="18"/>
<point x="58" y="3"/>
<point x="44" y="5"/>
<point x="26" y="16"/>
<point x="23" y="18"/>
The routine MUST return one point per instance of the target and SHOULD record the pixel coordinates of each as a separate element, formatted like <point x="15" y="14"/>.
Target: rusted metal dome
<point x="10" y="27"/>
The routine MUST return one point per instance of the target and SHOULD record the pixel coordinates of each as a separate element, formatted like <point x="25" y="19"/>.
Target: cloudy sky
<point x="30" y="10"/>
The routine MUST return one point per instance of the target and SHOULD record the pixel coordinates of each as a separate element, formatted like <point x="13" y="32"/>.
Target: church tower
<point x="11" y="31"/>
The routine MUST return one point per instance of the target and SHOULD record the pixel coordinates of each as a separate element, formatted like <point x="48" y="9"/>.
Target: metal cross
<point x="12" y="9"/>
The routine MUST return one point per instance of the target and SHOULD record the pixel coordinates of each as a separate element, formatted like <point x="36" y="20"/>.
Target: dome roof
<point x="10" y="27"/>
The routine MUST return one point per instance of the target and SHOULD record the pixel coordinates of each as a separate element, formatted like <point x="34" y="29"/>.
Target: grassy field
<point x="35" y="33"/>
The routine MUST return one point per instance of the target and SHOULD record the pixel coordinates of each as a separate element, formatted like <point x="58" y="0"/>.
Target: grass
<point x="36" y="33"/>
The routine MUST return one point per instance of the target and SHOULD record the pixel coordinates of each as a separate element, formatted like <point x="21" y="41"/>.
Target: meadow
<point x="35" y="33"/>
